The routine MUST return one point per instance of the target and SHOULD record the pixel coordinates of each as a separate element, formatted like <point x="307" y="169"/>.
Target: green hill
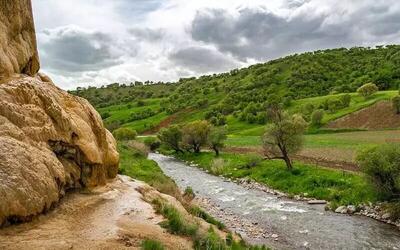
<point x="302" y="82"/>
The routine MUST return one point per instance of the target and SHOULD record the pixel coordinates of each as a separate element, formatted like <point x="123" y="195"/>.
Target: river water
<point x="296" y="225"/>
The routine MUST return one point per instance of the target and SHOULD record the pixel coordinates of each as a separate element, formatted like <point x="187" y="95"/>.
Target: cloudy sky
<point x="96" y="42"/>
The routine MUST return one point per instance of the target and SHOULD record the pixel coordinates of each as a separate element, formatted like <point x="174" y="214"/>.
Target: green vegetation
<point x="382" y="164"/>
<point x="336" y="186"/>
<point x="284" y="136"/>
<point x="152" y="245"/>
<point x="124" y="134"/>
<point x="367" y="90"/>
<point x="239" y="98"/>
<point x="198" y="212"/>
<point x="133" y="162"/>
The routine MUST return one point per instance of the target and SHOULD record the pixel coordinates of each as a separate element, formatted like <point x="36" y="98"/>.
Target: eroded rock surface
<point x="18" y="52"/>
<point x="50" y="141"/>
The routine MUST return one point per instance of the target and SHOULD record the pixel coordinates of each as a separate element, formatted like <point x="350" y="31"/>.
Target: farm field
<point x="340" y="147"/>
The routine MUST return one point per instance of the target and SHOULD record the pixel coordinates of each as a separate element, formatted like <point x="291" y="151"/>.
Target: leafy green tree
<point x="367" y="90"/>
<point x="345" y="100"/>
<point x="153" y="143"/>
<point x="124" y="134"/>
<point x="334" y="104"/>
<point x="382" y="164"/>
<point x="396" y="104"/>
<point x="171" y="137"/>
<point x="195" y="135"/>
<point x="284" y="136"/>
<point x="316" y="117"/>
<point x="216" y="139"/>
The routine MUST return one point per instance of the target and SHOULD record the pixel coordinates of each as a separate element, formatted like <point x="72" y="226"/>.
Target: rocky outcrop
<point x="18" y="52"/>
<point x="50" y="141"/>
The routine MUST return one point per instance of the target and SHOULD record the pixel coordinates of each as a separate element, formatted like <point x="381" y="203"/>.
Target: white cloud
<point x="95" y="42"/>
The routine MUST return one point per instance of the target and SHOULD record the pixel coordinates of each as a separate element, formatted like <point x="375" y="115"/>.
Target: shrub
<point x="171" y="137"/>
<point x="396" y="104"/>
<point x="367" y="90"/>
<point x="152" y="142"/>
<point x="382" y="165"/>
<point x="139" y="148"/>
<point x="105" y="115"/>
<point x="188" y="193"/>
<point x="334" y="104"/>
<point x="316" y="117"/>
<point x="345" y="100"/>
<point x="253" y="161"/>
<point x="124" y="134"/>
<point x="217" y="166"/>
<point x="152" y="245"/>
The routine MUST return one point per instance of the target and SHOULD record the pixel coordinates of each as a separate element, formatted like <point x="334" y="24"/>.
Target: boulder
<point x="341" y="210"/>
<point x="50" y="141"/>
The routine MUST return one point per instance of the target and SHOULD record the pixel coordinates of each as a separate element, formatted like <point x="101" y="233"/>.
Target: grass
<point x="341" y="188"/>
<point x="134" y="164"/>
<point x="152" y="245"/>
<point x="198" y="212"/>
<point x="177" y="224"/>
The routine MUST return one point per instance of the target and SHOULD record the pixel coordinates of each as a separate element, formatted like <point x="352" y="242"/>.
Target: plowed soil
<point x="377" y="116"/>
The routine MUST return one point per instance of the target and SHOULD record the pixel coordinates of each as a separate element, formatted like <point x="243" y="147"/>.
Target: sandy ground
<point x="111" y="217"/>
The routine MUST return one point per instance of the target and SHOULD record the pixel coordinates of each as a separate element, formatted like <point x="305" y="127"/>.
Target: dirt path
<point x="306" y="156"/>
<point x="109" y="217"/>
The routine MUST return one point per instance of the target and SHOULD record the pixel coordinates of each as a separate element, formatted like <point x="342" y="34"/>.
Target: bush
<point x="382" y="165"/>
<point x="345" y="100"/>
<point x="396" y="104"/>
<point x="253" y="161"/>
<point x="198" y="212"/>
<point x="152" y="142"/>
<point x="188" y="193"/>
<point x="124" y="134"/>
<point x="152" y="245"/>
<point x="316" y="117"/>
<point x="367" y="90"/>
<point x="138" y="148"/>
<point x="217" y="166"/>
<point x="334" y="104"/>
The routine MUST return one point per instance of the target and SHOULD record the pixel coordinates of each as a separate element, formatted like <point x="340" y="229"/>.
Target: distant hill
<point x="241" y="95"/>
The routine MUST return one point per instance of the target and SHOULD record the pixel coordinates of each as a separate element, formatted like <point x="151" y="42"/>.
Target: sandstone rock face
<point x="50" y="141"/>
<point x="18" y="52"/>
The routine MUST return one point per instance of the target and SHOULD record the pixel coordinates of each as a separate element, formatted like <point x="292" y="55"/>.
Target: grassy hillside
<point x="239" y="98"/>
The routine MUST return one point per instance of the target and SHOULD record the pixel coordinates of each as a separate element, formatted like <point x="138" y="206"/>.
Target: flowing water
<point x="297" y="224"/>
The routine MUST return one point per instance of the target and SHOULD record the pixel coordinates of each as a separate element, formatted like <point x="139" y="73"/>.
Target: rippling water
<point x="297" y="223"/>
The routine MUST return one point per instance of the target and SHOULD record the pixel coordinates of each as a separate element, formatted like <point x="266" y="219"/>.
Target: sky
<point x="98" y="42"/>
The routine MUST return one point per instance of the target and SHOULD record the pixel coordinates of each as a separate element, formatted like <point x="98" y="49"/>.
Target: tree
<point x="284" y="136"/>
<point x="216" y="139"/>
<point x="171" y="137"/>
<point x="367" y="90"/>
<point x="316" y="117"/>
<point x="153" y="143"/>
<point x="382" y="164"/>
<point x="396" y="104"/>
<point x="195" y="135"/>
<point x="125" y="134"/>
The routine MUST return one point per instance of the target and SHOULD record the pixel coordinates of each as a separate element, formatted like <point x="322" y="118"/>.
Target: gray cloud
<point x="71" y="49"/>
<point x="259" y="34"/>
<point x="147" y="34"/>
<point x="202" y="60"/>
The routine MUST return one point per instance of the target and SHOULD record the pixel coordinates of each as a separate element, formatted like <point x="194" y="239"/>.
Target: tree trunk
<point x="287" y="161"/>
<point x="197" y="149"/>
<point x="216" y="151"/>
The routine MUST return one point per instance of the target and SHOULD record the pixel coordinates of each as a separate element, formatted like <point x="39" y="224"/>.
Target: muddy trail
<point x="110" y="217"/>
<point x="264" y="218"/>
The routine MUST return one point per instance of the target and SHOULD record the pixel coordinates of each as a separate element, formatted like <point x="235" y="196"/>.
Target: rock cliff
<point x="50" y="141"/>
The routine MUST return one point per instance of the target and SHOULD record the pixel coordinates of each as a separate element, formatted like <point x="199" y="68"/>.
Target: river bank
<point x="287" y="224"/>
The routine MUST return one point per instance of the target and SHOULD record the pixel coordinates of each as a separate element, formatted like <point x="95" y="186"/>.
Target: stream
<point x="287" y="224"/>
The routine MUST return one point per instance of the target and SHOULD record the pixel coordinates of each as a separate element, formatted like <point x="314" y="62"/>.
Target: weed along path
<point x="264" y="218"/>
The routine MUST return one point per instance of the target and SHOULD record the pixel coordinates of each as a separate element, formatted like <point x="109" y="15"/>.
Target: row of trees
<point x="193" y="136"/>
